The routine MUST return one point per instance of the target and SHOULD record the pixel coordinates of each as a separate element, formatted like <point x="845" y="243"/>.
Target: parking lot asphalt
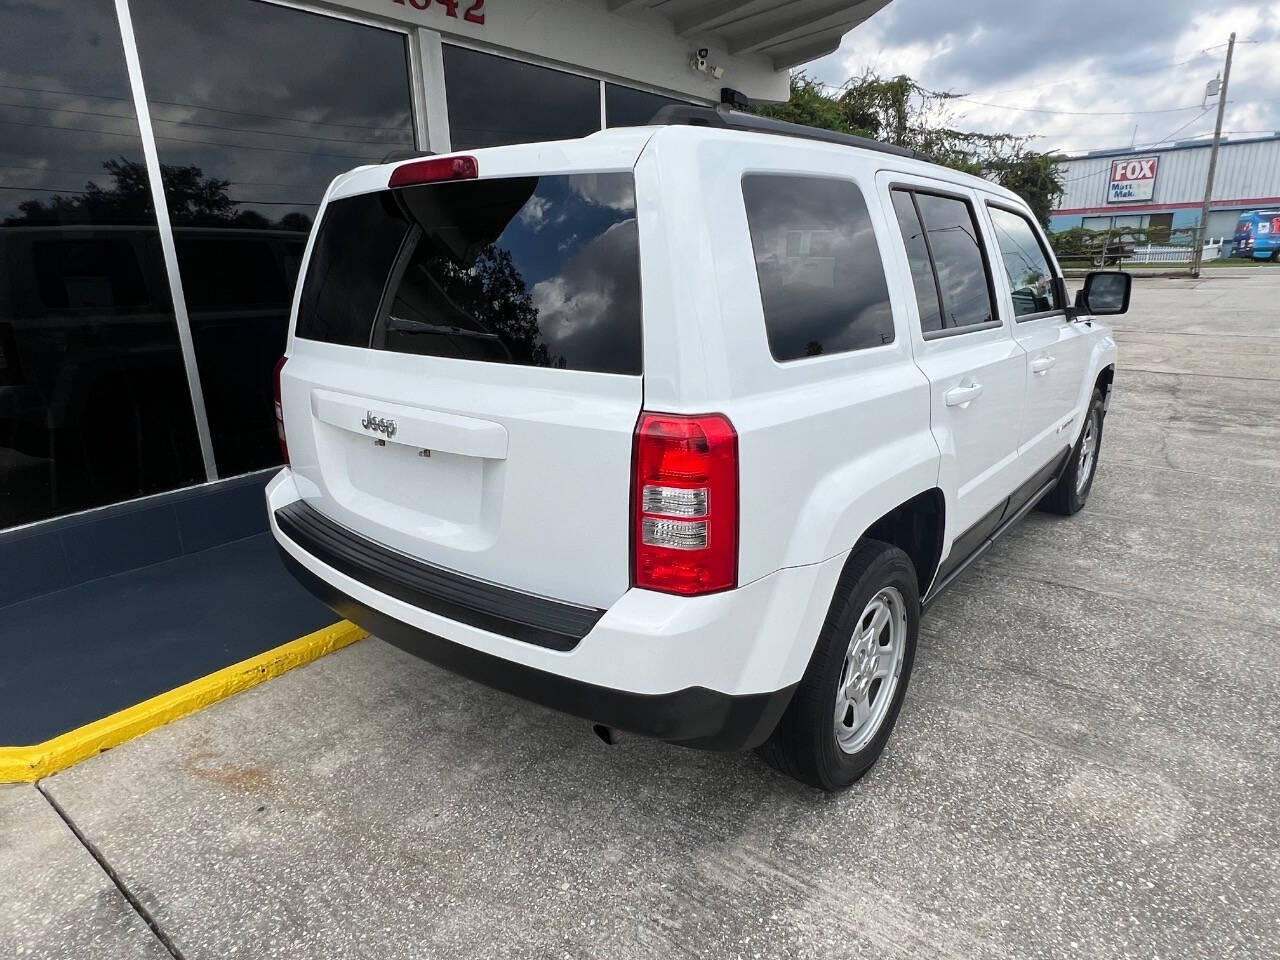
<point x="1086" y="764"/>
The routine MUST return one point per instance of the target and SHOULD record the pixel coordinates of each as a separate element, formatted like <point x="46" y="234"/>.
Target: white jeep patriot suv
<point x="679" y="428"/>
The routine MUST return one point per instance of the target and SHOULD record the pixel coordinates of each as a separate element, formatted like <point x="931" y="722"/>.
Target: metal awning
<point x="789" y="32"/>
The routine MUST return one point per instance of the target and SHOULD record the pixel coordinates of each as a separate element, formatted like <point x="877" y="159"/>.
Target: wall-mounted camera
<point x="701" y="64"/>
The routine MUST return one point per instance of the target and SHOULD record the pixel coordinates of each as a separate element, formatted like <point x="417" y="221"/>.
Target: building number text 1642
<point x="474" y="12"/>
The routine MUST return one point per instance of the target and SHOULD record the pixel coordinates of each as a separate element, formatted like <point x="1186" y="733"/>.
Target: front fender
<point x="1102" y="354"/>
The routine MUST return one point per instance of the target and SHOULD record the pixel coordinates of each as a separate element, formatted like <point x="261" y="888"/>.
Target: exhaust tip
<point x="607" y="734"/>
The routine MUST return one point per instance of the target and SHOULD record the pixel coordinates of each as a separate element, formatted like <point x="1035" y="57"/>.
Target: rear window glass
<point x="534" y="271"/>
<point x="822" y="282"/>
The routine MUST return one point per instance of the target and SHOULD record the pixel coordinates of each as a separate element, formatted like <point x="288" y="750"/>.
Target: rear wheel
<point x="1073" y="487"/>
<point x="845" y="707"/>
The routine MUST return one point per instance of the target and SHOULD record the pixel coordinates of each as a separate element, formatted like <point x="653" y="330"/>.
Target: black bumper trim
<point x="693" y="717"/>
<point x="477" y="603"/>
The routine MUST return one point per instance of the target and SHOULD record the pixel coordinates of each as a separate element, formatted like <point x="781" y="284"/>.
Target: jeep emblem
<point x="378" y="424"/>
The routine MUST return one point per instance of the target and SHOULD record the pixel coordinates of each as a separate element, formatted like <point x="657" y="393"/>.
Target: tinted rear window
<point x="822" y="282"/>
<point x="535" y="271"/>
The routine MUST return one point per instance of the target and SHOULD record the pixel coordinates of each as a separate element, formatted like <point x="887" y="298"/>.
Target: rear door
<point x="465" y="376"/>
<point x="976" y="371"/>
<point x="1057" y="349"/>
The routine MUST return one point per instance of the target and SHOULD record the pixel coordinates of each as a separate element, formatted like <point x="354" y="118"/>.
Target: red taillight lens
<point x="275" y="378"/>
<point x="685" y="504"/>
<point x="435" y="170"/>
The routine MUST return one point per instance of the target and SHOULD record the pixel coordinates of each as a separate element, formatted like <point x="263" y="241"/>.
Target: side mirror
<point x="1105" y="293"/>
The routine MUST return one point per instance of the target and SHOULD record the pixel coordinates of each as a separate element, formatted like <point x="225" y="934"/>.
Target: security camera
<point x="700" y="63"/>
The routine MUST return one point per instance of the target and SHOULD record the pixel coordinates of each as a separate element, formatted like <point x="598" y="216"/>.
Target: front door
<point x="1057" y="349"/>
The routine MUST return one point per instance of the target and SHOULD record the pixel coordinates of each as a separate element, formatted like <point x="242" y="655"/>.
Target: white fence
<point x="1166" y="253"/>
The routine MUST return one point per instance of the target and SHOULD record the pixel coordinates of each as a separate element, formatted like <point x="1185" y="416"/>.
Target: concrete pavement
<point x="1085" y="766"/>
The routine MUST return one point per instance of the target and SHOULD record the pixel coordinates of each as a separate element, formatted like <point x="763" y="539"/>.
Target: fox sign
<point x="1133" y="178"/>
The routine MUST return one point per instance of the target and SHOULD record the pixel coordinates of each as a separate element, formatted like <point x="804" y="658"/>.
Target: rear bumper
<point x="694" y="716"/>
<point x="715" y="672"/>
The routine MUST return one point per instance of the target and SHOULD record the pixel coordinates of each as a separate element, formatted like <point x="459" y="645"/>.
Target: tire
<point x="806" y="745"/>
<point x="1072" y="491"/>
<point x="1100" y="262"/>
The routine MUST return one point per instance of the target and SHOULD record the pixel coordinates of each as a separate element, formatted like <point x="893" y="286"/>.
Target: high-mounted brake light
<point x="685" y="504"/>
<point x="435" y="170"/>
<point x="275" y="377"/>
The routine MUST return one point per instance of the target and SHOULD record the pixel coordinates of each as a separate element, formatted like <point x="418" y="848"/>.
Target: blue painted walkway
<point x="77" y="654"/>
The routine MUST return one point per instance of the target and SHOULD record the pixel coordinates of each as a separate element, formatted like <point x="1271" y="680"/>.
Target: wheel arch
<point x="1106" y="377"/>
<point x="916" y="527"/>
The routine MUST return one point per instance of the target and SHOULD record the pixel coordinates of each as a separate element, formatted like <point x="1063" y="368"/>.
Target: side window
<point x="1025" y="264"/>
<point x="959" y="265"/>
<point x="822" y="281"/>
<point x="904" y="206"/>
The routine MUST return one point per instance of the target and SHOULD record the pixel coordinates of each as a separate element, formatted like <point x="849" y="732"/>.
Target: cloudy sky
<point x="1115" y="63"/>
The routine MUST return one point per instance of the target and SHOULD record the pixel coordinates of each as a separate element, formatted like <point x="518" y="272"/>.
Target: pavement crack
<point x="1188" y="373"/>
<point x="143" y="913"/>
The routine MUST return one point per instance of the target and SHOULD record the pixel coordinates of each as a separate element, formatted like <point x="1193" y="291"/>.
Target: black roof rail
<point x="724" y="118"/>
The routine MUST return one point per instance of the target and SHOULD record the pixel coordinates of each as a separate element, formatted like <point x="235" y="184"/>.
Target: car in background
<point x="1257" y="235"/>
<point x="1092" y="248"/>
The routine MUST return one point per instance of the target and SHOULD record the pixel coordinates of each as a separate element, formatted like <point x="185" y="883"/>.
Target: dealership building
<point x="162" y="161"/>
<point x="1163" y="189"/>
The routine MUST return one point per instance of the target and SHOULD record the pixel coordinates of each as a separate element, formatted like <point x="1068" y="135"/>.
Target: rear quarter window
<point x="822" y="281"/>
<point x="532" y="271"/>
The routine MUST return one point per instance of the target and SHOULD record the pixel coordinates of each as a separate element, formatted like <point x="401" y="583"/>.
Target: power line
<point x="291" y="136"/>
<point x="87" y="113"/>
<point x="209" y="143"/>
<point x="1118" y="75"/>
<point x="1078" y="113"/>
<point x="1143" y="146"/>
<point x="272" y="116"/>
<point x="195" y="106"/>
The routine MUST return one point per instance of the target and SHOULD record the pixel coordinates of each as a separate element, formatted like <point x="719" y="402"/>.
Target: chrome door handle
<point x="1043" y="364"/>
<point x="963" y="394"/>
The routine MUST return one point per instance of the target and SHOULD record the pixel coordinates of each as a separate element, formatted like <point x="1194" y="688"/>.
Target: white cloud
<point x="534" y="213"/>
<point x="1085" y="57"/>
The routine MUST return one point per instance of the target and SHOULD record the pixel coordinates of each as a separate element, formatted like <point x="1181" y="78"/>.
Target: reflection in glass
<point x="94" y="405"/>
<point x="1025" y="263"/>
<point x="283" y="101"/>
<point x="1105" y="292"/>
<point x="628" y="107"/>
<point x="822" y="283"/>
<point x="495" y="100"/>
<point x="533" y="271"/>
<point x="957" y="256"/>
<point x="918" y="257"/>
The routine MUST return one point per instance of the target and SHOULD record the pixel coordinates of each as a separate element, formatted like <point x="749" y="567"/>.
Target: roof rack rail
<point x="725" y="118"/>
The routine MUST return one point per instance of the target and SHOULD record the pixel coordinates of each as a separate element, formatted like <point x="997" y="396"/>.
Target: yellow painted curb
<point x="24" y="764"/>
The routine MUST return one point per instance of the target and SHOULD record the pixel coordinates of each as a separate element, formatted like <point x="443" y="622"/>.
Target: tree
<point x="193" y="200"/>
<point x="899" y="111"/>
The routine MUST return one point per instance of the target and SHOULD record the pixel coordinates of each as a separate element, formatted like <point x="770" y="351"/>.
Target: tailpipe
<point x="607" y="734"/>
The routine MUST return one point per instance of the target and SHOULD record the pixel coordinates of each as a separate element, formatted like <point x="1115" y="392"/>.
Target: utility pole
<point x="1197" y="254"/>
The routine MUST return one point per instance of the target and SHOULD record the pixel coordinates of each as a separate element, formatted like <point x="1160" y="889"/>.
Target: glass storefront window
<point x="495" y="100"/>
<point x="628" y="107"/>
<point x="281" y="102"/>
<point x="94" y="404"/>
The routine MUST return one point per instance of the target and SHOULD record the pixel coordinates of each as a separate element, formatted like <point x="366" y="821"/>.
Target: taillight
<point x="284" y="446"/>
<point x="435" y="170"/>
<point x="685" y="504"/>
